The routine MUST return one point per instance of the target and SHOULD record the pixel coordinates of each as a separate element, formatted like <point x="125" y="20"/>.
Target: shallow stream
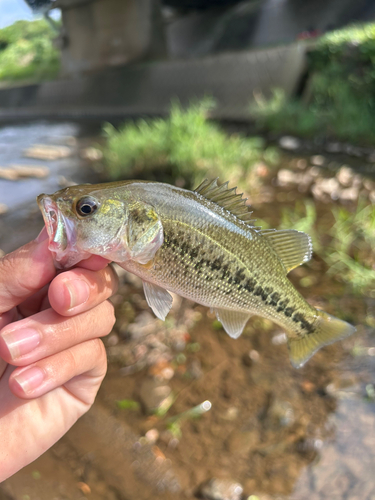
<point x="272" y="432"/>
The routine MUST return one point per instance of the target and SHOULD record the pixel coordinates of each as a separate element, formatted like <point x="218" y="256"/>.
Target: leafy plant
<point x="27" y="51"/>
<point x="349" y="254"/>
<point x="185" y="147"/>
<point x="340" y="99"/>
<point x="353" y="240"/>
<point x="127" y="404"/>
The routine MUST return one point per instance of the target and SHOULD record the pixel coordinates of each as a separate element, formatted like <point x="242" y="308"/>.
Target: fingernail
<point x="43" y="235"/>
<point x="20" y="342"/>
<point x="79" y="292"/>
<point x="30" y="379"/>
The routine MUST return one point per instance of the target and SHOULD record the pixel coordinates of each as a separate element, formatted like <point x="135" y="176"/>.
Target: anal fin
<point x="233" y="321"/>
<point x="159" y="299"/>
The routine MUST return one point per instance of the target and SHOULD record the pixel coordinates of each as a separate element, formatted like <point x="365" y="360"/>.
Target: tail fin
<point x="328" y="330"/>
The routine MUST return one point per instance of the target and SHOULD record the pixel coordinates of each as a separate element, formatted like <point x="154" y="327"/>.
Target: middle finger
<point x="47" y="333"/>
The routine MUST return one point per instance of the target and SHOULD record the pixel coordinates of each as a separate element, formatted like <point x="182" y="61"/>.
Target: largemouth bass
<point x="202" y="245"/>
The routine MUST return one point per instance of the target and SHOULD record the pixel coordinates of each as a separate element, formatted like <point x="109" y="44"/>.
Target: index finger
<point x="23" y="272"/>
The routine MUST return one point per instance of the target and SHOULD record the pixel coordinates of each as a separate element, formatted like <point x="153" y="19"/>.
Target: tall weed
<point x="185" y="147"/>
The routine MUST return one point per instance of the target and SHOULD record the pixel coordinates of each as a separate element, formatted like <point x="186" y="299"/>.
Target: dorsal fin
<point x="226" y="198"/>
<point x="293" y="247"/>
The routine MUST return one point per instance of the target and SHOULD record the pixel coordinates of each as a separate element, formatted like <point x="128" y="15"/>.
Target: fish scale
<point x="200" y="244"/>
<point x="193" y="265"/>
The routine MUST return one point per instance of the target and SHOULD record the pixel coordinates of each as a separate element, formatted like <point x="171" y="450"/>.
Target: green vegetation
<point x="340" y="99"/>
<point x="27" y="51"/>
<point x="185" y="148"/>
<point x="349" y="253"/>
<point x="127" y="404"/>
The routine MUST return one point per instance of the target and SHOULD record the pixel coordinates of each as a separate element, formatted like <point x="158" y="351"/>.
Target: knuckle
<point x="8" y="276"/>
<point x="99" y="352"/>
<point x="114" y="278"/>
<point x="111" y="313"/>
<point x="71" y="360"/>
<point x="108" y="281"/>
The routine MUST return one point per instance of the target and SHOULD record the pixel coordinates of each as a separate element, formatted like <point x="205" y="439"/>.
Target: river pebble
<point x="221" y="489"/>
<point x="15" y="172"/>
<point x="289" y="143"/>
<point x="155" y="395"/>
<point x="47" y="152"/>
<point x="317" y="160"/>
<point x="345" y="176"/>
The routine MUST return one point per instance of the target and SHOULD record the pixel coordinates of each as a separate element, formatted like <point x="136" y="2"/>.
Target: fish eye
<point x="86" y="206"/>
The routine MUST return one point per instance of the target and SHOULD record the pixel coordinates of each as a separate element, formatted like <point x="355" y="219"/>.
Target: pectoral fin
<point x="233" y="321"/>
<point x="158" y="299"/>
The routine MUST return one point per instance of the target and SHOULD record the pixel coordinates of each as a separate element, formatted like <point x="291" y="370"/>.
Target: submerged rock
<point x="47" y="152"/>
<point x="15" y="172"/>
<point x="3" y="208"/>
<point x="317" y="160"/>
<point x="221" y="489"/>
<point x="290" y="143"/>
<point x="155" y="395"/>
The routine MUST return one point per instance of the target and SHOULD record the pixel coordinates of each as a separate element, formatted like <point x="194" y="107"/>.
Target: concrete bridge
<point x="147" y="88"/>
<point x="121" y="58"/>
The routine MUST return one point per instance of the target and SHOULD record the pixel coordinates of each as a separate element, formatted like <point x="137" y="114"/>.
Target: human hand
<point x="52" y="361"/>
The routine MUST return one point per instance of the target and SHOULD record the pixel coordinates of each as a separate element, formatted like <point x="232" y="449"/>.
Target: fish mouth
<point x="50" y="215"/>
<point x="60" y="230"/>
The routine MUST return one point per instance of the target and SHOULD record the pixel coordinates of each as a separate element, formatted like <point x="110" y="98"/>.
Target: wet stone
<point x="47" y="152"/>
<point x="221" y="489"/>
<point x="290" y="143"/>
<point x="155" y="395"/>
<point x="287" y="177"/>
<point x="317" y="160"/>
<point x="15" y="172"/>
<point x="345" y="176"/>
<point x="3" y="208"/>
<point x="334" y="147"/>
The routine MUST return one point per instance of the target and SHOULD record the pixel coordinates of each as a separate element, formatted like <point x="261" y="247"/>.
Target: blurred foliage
<point x="127" y="404"/>
<point x="349" y="253"/>
<point x="302" y="218"/>
<point x="183" y="148"/>
<point x="340" y="99"/>
<point x="27" y="51"/>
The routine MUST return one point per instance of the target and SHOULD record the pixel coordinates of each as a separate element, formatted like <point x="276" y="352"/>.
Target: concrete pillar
<point x="101" y="33"/>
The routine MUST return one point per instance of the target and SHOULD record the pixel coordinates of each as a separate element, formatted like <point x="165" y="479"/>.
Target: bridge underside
<point x="232" y="79"/>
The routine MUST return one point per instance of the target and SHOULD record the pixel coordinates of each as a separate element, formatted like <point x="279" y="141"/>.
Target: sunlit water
<point x="14" y="140"/>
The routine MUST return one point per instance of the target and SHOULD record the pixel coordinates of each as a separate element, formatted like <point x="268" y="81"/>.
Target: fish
<point x="203" y="245"/>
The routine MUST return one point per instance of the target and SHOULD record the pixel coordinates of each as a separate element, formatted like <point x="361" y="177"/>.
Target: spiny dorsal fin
<point x="293" y="247"/>
<point x="226" y="198"/>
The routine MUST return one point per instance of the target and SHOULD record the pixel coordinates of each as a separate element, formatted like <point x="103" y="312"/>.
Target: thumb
<point x="24" y="271"/>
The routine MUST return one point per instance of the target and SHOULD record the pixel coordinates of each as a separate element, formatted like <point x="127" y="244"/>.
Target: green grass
<point x="340" y="100"/>
<point x="349" y="253"/>
<point x="185" y="148"/>
<point x="353" y="241"/>
<point x="27" y="52"/>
